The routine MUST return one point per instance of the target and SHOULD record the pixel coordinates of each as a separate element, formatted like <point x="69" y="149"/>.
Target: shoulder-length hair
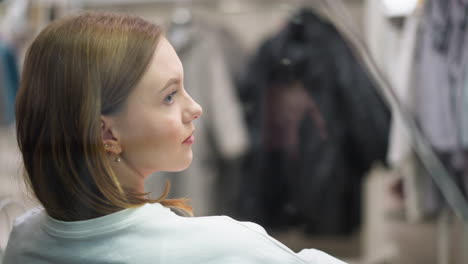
<point x="77" y="69"/>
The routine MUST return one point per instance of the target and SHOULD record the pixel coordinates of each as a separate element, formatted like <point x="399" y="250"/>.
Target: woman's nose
<point x="198" y="110"/>
<point x="194" y="110"/>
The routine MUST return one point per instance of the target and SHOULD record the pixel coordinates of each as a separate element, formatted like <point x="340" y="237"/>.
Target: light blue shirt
<point x="151" y="233"/>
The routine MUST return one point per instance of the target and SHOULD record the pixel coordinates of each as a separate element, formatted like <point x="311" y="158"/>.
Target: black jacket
<point x="316" y="124"/>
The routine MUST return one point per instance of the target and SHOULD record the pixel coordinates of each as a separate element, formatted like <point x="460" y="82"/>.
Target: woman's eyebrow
<point x="170" y="82"/>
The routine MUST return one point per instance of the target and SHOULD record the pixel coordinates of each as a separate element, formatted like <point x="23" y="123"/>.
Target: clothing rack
<point x="421" y="147"/>
<point x="436" y="169"/>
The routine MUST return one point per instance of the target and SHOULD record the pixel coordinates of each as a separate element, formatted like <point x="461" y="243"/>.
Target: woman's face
<point x="155" y="130"/>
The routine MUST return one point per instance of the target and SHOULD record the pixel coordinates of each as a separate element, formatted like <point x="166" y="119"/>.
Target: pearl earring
<point x="117" y="159"/>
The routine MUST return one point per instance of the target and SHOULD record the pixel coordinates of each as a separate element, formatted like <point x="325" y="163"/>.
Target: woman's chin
<point x="185" y="163"/>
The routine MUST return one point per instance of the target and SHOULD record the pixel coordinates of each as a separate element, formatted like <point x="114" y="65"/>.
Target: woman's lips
<point x="189" y="140"/>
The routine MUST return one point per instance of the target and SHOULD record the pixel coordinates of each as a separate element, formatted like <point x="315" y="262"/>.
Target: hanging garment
<point x="464" y="120"/>
<point x="400" y="153"/>
<point x="383" y="37"/>
<point x="458" y="57"/>
<point x="436" y="91"/>
<point x="316" y="125"/>
<point x="399" y="67"/>
<point x="441" y="67"/>
<point x="9" y="82"/>
<point x="220" y="135"/>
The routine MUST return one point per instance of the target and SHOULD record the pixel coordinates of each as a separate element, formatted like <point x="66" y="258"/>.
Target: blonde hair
<point x="77" y="69"/>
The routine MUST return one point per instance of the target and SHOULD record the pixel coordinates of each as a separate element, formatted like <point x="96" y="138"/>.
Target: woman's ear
<point x="109" y="136"/>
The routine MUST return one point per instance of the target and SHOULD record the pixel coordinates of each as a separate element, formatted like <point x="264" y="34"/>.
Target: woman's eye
<point x="170" y="98"/>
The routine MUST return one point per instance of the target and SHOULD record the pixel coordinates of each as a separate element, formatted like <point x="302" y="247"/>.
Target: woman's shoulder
<point x="250" y="240"/>
<point x="160" y="234"/>
<point x="24" y="226"/>
<point x="223" y="225"/>
<point x="28" y="220"/>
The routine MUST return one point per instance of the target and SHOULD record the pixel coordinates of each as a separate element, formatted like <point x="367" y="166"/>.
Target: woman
<point x="102" y="106"/>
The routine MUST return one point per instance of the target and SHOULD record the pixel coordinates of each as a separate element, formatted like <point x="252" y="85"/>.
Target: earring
<point x="107" y="146"/>
<point x="117" y="159"/>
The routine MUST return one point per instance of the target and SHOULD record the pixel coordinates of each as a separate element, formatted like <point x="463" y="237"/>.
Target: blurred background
<point x="340" y="125"/>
